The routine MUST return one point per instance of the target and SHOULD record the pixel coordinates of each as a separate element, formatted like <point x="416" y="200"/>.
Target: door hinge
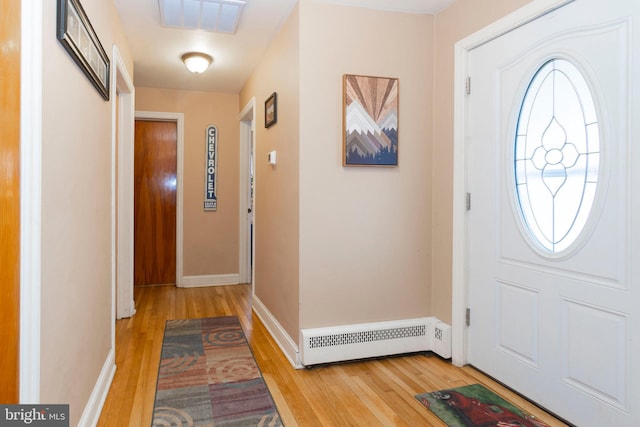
<point x="468" y="317"/>
<point x="467" y="86"/>
<point x="467" y="201"/>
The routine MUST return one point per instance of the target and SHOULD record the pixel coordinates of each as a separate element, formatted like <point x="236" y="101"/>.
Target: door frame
<point x="122" y="132"/>
<point x="460" y="287"/>
<point x="178" y="118"/>
<point x="30" y="198"/>
<point x="247" y="146"/>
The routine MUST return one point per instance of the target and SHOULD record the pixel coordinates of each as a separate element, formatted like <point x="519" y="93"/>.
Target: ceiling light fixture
<point x="197" y="62"/>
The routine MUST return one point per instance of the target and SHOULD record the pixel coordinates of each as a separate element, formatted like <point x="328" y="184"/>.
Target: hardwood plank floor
<point x="365" y="393"/>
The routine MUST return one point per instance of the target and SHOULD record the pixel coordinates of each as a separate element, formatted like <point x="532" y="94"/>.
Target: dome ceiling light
<point x="197" y="62"/>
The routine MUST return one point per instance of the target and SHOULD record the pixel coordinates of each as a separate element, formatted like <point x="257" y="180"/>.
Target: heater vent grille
<point x="378" y="339"/>
<point x="367" y="336"/>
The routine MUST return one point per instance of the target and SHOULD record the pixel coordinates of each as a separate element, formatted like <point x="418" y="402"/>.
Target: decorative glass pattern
<point x="557" y="155"/>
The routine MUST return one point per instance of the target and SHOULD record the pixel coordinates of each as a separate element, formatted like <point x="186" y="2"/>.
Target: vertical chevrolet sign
<point x="210" y="198"/>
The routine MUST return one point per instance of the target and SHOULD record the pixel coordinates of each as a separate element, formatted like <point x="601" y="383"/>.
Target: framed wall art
<point x="79" y="39"/>
<point x="370" y="121"/>
<point x="271" y="110"/>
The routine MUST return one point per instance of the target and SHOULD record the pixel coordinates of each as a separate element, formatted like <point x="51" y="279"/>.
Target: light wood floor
<point x="367" y="393"/>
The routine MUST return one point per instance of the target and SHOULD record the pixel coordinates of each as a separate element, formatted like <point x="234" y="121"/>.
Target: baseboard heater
<point x="361" y="341"/>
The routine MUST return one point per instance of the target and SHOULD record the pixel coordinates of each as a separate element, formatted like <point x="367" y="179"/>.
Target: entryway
<point x="549" y="261"/>
<point x="247" y="186"/>
<point x="125" y="208"/>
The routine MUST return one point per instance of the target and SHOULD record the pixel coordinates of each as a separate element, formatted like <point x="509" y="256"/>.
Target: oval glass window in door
<point x="557" y="155"/>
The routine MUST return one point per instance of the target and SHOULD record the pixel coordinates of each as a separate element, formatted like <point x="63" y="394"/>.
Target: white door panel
<point x="558" y="326"/>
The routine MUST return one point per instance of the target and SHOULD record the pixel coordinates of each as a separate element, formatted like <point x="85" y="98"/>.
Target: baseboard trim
<point x="93" y="409"/>
<point x="280" y="336"/>
<point x="211" y="280"/>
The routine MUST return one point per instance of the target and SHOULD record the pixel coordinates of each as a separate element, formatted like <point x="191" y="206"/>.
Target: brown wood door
<point x="9" y="200"/>
<point x="155" y="202"/>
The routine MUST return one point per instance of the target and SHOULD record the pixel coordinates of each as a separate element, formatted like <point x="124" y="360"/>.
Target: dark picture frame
<point x="370" y="120"/>
<point x="271" y="110"/>
<point x="78" y="37"/>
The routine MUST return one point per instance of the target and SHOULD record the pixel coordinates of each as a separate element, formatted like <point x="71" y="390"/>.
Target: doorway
<point x="543" y="247"/>
<point x="125" y="244"/>
<point x="247" y="192"/>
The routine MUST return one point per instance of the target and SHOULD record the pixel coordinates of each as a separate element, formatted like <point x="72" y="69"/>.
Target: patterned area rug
<point x="209" y="377"/>
<point x="476" y="406"/>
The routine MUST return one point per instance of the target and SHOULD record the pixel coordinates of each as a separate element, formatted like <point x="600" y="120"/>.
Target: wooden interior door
<point x="9" y="200"/>
<point x="155" y="202"/>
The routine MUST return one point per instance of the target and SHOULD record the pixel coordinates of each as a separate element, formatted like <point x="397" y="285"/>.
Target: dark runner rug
<point x="476" y="406"/>
<point x="209" y="377"/>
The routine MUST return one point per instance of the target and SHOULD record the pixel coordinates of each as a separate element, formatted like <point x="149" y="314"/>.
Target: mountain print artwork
<point x="371" y="121"/>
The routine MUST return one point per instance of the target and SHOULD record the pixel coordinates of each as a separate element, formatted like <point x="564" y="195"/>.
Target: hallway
<point x="369" y="393"/>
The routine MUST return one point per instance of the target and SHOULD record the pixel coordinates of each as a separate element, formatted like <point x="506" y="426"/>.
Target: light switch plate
<point x="271" y="158"/>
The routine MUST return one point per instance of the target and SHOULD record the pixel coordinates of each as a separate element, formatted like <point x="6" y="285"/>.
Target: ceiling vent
<point x="219" y="16"/>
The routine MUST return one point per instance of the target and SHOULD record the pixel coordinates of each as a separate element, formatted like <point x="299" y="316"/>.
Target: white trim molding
<point x="122" y="152"/>
<point x="277" y="332"/>
<point x="210" y="280"/>
<point x="460" y="290"/>
<point x="179" y="119"/>
<point x="30" y="199"/>
<point x="93" y="408"/>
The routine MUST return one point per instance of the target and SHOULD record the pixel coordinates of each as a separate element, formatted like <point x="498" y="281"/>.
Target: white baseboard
<point x="211" y="280"/>
<point x="93" y="409"/>
<point x="281" y="337"/>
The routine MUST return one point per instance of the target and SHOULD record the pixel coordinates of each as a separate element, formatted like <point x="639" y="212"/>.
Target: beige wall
<point x="120" y="40"/>
<point x="210" y="238"/>
<point x="277" y="194"/>
<point x="360" y="249"/>
<point x="461" y="19"/>
<point x="374" y="244"/>
<point x="76" y="217"/>
<point x="365" y="232"/>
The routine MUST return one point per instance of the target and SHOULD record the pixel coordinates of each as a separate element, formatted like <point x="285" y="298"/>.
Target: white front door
<point x="554" y="226"/>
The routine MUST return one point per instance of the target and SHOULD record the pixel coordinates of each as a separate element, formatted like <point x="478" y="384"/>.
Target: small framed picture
<point x="79" y="39"/>
<point x="271" y="110"/>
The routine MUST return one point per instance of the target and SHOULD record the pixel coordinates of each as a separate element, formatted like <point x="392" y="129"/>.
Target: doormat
<point x="476" y="406"/>
<point x="208" y="376"/>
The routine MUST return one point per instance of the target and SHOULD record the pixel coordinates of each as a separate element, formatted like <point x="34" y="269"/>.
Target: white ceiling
<point x="157" y="50"/>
